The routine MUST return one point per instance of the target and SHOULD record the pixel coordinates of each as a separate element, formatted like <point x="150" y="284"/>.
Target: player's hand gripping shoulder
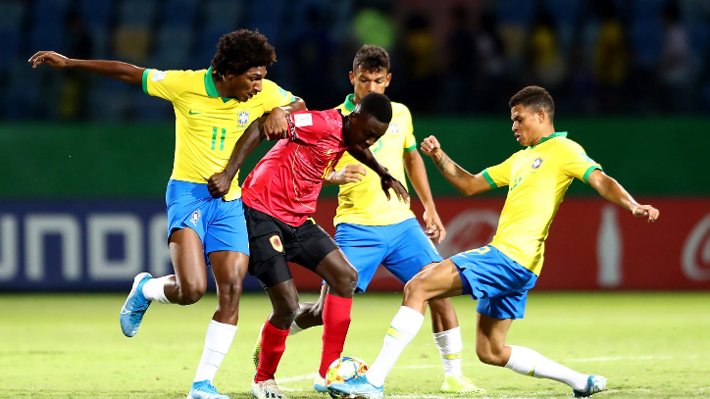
<point x="348" y="174"/>
<point x="276" y="127"/>
<point x="55" y="60"/>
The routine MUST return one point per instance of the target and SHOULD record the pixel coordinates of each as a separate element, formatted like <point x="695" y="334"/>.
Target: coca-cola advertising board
<point x="592" y="245"/>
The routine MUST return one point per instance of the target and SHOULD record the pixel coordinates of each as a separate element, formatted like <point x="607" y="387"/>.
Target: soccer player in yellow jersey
<point x="213" y="107"/>
<point x="372" y="230"/>
<point x="500" y="274"/>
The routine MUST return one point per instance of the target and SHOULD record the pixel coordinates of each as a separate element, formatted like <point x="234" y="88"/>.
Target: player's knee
<point x="344" y="284"/>
<point x="416" y="288"/>
<point x="487" y="356"/>
<point x="231" y="290"/>
<point x="285" y="311"/>
<point x="191" y="293"/>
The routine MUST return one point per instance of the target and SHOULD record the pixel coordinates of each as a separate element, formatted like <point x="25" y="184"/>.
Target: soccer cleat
<point x="266" y="390"/>
<point x="459" y="384"/>
<point x="358" y="387"/>
<point x="135" y="306"/>
<point x="319" y="384"/>
<point x="595" y="384"/>
<point x="204" y="390"/>
<point x="257" y="349"/>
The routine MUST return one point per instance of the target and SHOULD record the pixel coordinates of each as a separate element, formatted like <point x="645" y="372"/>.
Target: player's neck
<point x="219" y="84"/>
<point x="546" y="132"/>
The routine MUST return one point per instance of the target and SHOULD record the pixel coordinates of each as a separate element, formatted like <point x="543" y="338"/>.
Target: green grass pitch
<point x="649" y="345"/>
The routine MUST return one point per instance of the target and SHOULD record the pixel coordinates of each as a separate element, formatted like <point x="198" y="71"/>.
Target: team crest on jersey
<point x="195" y="217"/>
<point x="276" y="243"/>
<point x="243" y="118"/>
<point x="536" y="163"/>
<point x="393" y="128"/>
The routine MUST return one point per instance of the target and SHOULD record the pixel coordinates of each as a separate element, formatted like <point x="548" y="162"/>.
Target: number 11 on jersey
<point x="221" y="141"/>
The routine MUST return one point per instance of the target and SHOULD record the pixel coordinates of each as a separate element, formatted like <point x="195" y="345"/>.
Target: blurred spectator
<point x="461" y="68"/>
<point x="312" y="52"/>
<point x="491" y="85"/>
<point x="72" y="104"/>
<point x="548" y="66"/>
<point x="419" y="53"/>
<point x="675" y="63"/>
<point x="374" y="26"/>
<point x="610" y="58"/>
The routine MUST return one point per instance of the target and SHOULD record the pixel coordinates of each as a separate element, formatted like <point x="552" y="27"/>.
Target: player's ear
<point x="541" y="116"/>
<point x="389" y="78"/>
<point x="351" y="75"/>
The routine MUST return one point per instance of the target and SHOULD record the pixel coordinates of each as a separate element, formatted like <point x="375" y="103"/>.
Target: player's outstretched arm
<point x="386" y="180"/>
<point x="219" y="183"/>
<point x="276" y="127"/>
<point x="464" y="181"/>
<point x="612" y="191"/>
<point x="414" y="165"/>
<point x="112" y="69"/>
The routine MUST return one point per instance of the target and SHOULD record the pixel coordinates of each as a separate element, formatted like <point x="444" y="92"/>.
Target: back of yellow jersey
<point x="206" y="125"/>
<point x="364" y="202"/>
<point x="537" y="179"/>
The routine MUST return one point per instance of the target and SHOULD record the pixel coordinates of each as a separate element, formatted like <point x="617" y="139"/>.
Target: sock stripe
<point x="395" y="333"/>
<point x="531" y="373"/>
<point x="452" y="356"/>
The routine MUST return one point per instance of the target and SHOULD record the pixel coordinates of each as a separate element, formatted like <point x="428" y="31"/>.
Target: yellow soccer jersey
<point x="364" y="202"/>
<point x="206" y="125"/>
<point x="537" y="179"/>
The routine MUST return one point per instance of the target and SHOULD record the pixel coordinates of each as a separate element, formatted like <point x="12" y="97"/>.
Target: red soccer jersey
<point x="287" y="181"/>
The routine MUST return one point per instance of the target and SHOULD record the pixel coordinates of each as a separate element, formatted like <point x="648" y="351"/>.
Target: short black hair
<point x="536" y="98"/>
<point x="376" y="104"/>
<point x="371" y="58"/>
<point x="241" y="50"/>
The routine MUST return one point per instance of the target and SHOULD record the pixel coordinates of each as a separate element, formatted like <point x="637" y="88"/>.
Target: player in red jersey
<point x="279" y="195"/>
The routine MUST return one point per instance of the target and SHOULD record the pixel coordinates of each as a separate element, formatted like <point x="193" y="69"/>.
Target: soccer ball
<point x="345" y="369"/>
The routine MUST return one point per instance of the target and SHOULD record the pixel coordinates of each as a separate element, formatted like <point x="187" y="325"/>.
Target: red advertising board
<point x="592" y="244"/>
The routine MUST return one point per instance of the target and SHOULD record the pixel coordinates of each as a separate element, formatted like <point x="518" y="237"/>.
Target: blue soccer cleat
<point x="358" y="387"/>
<point x="204" y="390"/>
<point x="319" y="384"/>
<point x="595" y="384"/>
<point x="136" y="304"/>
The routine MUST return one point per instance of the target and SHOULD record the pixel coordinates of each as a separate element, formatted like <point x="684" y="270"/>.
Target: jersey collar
<point x="544" y="139"/>
<point x="349" y="104"/>
<point x="211" y="89"/>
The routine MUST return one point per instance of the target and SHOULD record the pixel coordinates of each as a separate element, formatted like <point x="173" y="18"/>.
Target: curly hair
<point x="242" y="50"/>
<point x="535" y="98"/>
<point x="371" y="58"/>
<point x="377" y="105"/>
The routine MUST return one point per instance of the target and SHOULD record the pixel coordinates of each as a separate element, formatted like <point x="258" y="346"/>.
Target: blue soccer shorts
<point x="403" y="248"/>
<point x="220" y="224"/>
<point x="499" y="283"/>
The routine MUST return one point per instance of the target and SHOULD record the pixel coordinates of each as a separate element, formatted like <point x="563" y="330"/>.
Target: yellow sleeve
<point x="410" y="142"/>
<point x="499" y="175"/>
<point x="164" y="84"/>
<point x="274" y="96"/>
<point x="575" y="162"/>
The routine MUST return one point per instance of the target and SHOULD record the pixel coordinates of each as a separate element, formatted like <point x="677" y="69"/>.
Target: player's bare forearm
<point x="416" y="171"/>
<point x="368" y="159"/>
<point x="464" y="181"/>
<point x="297" y="105"/>
<point x="247" y="143"/>
<point x="612" y="191"/>
<point x="112" y="69"/>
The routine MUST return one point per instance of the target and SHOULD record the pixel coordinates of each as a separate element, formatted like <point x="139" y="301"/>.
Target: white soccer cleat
<point x="266" y="390"/>
<point x="595" y="384"/>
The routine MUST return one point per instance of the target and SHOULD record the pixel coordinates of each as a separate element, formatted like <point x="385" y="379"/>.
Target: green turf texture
<point x="649" y="345"/>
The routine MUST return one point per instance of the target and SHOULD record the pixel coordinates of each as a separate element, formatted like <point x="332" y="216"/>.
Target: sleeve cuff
<point x="145" y="81"/>
<point x="589" y="172"/>
<point x="414" y="146"/>
<point x="488" y="179"/>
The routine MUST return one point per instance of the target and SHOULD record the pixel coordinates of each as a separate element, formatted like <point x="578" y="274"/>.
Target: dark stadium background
<point x="85" y="159"/>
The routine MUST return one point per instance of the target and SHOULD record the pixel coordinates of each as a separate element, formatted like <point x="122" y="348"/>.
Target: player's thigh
<point x="227" y="228"/>
<point x="188" y="260"/>
<point x="316" y="250"/>
<point x="510" y="305"/>
<point x="410" y="250"/>
<point x="364" y="247"/>
<point x="441" y="280"/>
<point x="487" y="273"/>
